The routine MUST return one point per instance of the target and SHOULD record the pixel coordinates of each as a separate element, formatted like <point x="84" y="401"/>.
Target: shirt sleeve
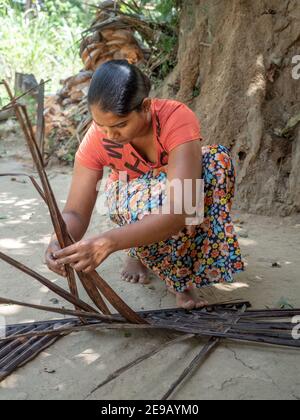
<point x="181" y="127"/>
<point x="89" y="152"/>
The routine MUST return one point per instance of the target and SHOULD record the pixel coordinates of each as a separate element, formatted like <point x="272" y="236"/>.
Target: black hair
<point x="119" y="87"/>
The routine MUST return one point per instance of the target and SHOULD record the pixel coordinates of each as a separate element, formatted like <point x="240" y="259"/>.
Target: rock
<point x="51" y="371"/>
<point x="238" y="222"/>
<point x="243" y="234"/>
<point x="276" y="264"/>
<point x="6" y="115"/>
<point x="54" y="301"/>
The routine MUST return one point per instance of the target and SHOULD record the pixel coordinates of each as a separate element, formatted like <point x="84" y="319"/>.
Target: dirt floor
<point x="71" y="368"/>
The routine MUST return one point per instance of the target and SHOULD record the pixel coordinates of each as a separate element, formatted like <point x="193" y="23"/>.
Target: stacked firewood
<point x="75" y="88"/>
<point x="96" y="49"/>
<point x="109" y="38"/>
<point x="110" y="44"/>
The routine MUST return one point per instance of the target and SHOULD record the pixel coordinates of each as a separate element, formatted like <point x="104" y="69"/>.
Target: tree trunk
<point x="235" y="70"/>
<point x="28" y="5"/>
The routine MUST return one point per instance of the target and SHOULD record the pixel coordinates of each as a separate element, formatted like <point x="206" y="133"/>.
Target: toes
<point x="144" y="279"/>
<point x="189" y="305"/>
<point x="201" y="304"/>
<point x="125" y="277"/>
<point x="135" y="279"/>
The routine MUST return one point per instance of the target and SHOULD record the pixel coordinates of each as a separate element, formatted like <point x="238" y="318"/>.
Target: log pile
<point x="66" y="114"/>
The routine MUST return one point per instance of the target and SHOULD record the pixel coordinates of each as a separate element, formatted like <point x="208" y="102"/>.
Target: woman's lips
<point x="121" y="141"/>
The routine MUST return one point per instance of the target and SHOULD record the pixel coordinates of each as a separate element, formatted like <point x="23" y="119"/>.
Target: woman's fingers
<point x="66" y="252"/>
<point x="68" y="260"/>
<point x="89" y="269"/>
<point x="60" y="270"/>
<point x="81" y="266"/>
<point x="51" y="261"/>
<point x="54" y="266"/>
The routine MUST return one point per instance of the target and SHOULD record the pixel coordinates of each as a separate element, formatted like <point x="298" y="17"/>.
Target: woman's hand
<point x="50" y="260"/>
<point x="87" y="254"/>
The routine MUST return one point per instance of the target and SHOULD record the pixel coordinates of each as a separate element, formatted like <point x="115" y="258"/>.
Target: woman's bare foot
<point x="189" y="300"/>
<point x="134" y="271"/>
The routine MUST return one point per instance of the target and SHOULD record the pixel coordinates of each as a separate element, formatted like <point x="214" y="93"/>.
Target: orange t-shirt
<point x="173" y="124"/>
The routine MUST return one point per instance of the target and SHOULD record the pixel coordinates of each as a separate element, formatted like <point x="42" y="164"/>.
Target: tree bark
<point x="235" y="71"/>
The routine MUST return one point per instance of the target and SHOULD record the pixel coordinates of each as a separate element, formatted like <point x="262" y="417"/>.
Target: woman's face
<point x="123" y="130"/>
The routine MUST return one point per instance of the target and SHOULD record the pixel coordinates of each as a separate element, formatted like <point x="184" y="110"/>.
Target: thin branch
<point x="11" y="104"/>
<point x="80" y="328"/>
<point x="199" y="359"/>
<point x="62" y="311"/>
<point x="62" y="234"/>
<point x="45" y="282"/>
<point x="139" y="360"/>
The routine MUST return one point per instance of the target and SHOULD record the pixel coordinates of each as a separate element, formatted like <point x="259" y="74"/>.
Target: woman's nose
<point x="110" y="134"/>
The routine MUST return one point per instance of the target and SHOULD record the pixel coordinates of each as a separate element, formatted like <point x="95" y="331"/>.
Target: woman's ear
<point x="146" y="104"/>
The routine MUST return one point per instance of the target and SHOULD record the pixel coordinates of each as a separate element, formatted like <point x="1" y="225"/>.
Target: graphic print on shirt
<point x="136" y="165"/>
<point x="174" y="124"/>
<point x="111" y="147"/>
<point x="116" y="151"/>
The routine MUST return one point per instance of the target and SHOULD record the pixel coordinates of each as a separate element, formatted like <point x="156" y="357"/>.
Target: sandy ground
<point x="71" y="368"/>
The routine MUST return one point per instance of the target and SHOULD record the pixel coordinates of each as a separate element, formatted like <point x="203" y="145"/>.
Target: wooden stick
<point x="139" y="360"/>
<point x="89" y="287"/>
<point x="11" y="104"/>
<point x="81" y="314"/>
<point x="32" y="179"/>
<point x="115" y="300"/>
<point x="45" y="282"/>
<point x="57" y="220"/>
<point x="195" y="364"/>
<point x="60" y="230"/>
<point x="198" y="360"/>
<point x="24" y="354"/>
<point x="62" y="233"/>
<point x="272" y="313"/>
<point x="82" y="327"/>
<point x="41" y="120"/>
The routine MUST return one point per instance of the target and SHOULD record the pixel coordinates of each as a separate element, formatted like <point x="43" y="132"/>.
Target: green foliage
<point x="42" y="41"/>
<point x="166" y="14"/>
<point x="73" y="11"/>
<point x="162" y="10"/>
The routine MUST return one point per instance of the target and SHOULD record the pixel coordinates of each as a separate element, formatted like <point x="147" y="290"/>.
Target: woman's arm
<point x="185" y="163"/>
<point x="78" y="209"/>
<point x="81" y="200"/>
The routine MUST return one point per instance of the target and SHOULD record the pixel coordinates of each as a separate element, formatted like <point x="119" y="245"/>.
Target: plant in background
<point x="44" y="44"/>
<point x="163" y="16"/>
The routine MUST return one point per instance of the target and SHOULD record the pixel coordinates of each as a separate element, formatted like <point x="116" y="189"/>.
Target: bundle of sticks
<point x="231" y="321"/>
